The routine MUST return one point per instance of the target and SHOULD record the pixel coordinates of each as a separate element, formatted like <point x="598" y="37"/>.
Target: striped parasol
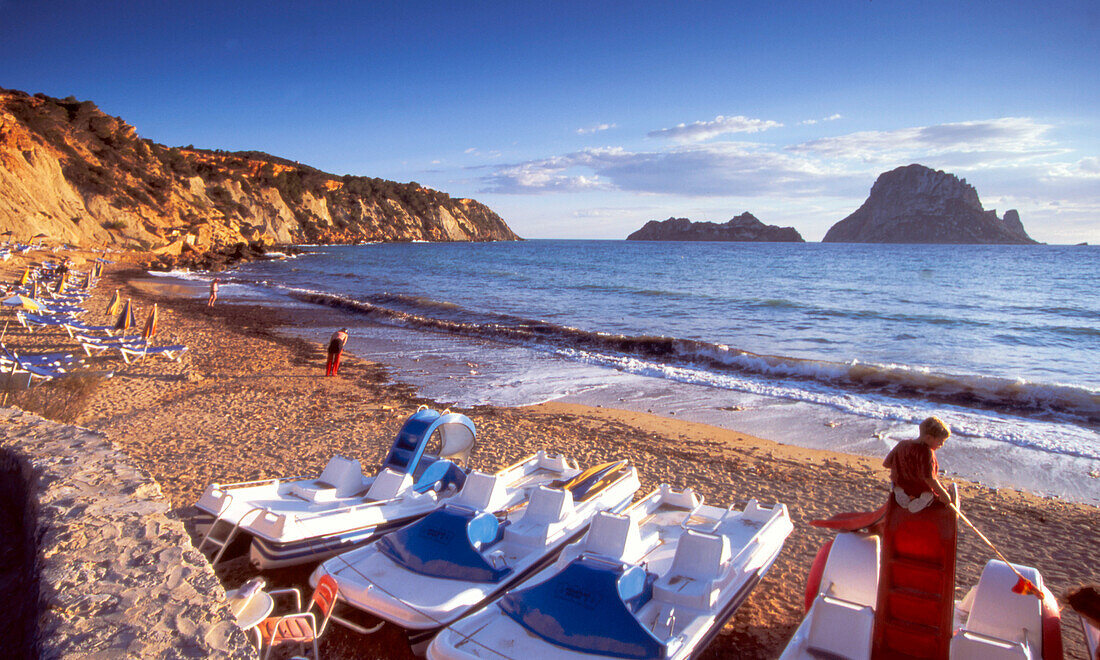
<point x="126" y="318"/>
<point x="115" y="305"/>
<point x="150" y="328"/>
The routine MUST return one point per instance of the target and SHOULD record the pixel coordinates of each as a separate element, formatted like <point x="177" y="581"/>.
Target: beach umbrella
<point x="63" y="282"/>
<point x="87" y="281"/>
<point x="34" y="290"/>
<point x="126" y="318"/>
<point x="22" y="301"/>
<point x="150" y="328"/>
<point x="25" y="277"/>
<point x="115" y="305"/>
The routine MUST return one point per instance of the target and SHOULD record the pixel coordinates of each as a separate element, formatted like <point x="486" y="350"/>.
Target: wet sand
<point x="249" y="403"/>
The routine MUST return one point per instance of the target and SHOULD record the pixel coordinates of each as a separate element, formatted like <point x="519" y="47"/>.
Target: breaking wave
<point x="1049" y="401"/>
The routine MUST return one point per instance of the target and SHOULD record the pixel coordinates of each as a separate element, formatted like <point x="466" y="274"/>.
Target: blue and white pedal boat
<point x="655" y="581"/>
<point x="283" y="522"/>
<point x="462" y="555"/>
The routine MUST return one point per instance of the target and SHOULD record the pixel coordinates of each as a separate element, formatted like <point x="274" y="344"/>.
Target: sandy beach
<point x="248" y="403"/>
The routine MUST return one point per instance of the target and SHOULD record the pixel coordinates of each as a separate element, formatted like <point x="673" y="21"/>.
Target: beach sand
<point x="248" y="403"/>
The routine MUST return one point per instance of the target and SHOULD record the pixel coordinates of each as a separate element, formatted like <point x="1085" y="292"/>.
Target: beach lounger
<point x="42" y="360"/>
<point x="33" y="372"/>
<point x="173" y="353"/>
<point x="101" y="344"/>
<point x="75" y="327"/>
<point x="30" y="321"/>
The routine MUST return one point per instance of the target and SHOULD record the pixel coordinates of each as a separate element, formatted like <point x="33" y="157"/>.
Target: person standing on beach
<point x="335" y="349"/>
<point x="213" y="292"/>
<point x="914" y="469"/>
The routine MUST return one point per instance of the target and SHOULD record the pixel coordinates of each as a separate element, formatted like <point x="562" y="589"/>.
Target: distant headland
<point x="78" y="175"/>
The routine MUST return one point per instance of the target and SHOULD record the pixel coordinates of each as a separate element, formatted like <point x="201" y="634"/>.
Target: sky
<point x="588" y="119"/>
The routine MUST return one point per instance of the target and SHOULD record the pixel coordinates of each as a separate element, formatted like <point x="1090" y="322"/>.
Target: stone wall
<point x="91" y="565"/>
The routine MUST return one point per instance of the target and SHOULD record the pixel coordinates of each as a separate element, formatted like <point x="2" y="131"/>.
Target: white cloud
<point x="718" y="169"/>
<point x="704" y="130"/>
<point x="964" y="144"/>
<point x="471" y="150"/>
<point x="598" y="128"/>
<point x="811" y="122"/>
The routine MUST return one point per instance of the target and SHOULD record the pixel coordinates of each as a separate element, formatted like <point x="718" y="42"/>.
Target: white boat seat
<point x="966" y="645"/>
<point x="851" y="572"/>
<point x="611" y="535"/>
<point x="548" y="505"/>
<point x="840" y="628"/>
<point x="389" y="484"/>
<point x="546" y="512"/>
<point x="699" y="560"/>
<point x="481" y="491"/>
<point x="999" y="613"/>
<point x="341" y="478"/>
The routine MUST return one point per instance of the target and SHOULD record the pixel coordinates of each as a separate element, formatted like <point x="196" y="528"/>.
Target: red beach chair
<point x="300" y="627"/>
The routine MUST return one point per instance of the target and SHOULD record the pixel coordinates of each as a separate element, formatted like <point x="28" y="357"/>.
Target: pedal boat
<point x="462" y="555"/>
<point x="296" y="520"/>
<point x="658" y="580"/>
<point x="890" y="594"/>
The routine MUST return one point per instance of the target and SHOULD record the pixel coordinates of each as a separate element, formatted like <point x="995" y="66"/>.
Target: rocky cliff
<point x="71" y="172"/>
<point x="916" y="204"/>
<point x="744" y="227"/>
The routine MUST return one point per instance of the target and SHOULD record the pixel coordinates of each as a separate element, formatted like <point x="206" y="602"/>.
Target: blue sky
<point x="585" y="120"/>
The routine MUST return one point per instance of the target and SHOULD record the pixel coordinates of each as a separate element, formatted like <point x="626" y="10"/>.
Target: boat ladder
<point x="222" y="542"/>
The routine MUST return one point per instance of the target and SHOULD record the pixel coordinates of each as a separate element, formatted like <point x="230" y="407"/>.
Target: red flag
<point x="1026" y="587"/>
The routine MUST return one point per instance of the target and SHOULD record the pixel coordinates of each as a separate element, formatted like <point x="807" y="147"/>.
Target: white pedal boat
<point x="442" y="567"/>
<point x="283" y="522"/>
<point x="656" y="581"/>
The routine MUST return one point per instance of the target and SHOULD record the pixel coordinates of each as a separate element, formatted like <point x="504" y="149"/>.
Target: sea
<point x="845" y="347"/>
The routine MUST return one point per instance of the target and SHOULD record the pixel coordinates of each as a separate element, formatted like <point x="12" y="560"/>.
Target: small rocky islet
<point x="742" y="228"/>
<point x="916" y="204"/>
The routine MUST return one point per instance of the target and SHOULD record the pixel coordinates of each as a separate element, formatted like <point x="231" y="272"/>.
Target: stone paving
<point x="116" y="575"/>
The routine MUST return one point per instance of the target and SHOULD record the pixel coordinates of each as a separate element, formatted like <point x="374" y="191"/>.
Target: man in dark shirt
<point x="913" y="467"/>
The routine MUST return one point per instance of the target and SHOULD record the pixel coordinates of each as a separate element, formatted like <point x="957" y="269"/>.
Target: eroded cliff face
<point x="916" y="204"/>
<point x="71" y="172"/>
<point x="743" y="228"/>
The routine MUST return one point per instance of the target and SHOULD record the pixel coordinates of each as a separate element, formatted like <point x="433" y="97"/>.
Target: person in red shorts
<point x="335" y="349"/>
<point x="914" y="469"/>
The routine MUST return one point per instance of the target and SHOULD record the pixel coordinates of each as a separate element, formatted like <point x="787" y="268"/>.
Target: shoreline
<point x="250" y="402"/>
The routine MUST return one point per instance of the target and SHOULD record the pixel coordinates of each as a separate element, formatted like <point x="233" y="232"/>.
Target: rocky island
<point x="916" y="204"/>
<point x="744" y="227"/>
<point x="78" y="175"/>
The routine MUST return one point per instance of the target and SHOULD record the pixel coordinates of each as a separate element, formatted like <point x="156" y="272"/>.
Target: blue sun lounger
<point x="101" y="344"/>
<point x="75" y="327"/>
<point x="28" y="320"/>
